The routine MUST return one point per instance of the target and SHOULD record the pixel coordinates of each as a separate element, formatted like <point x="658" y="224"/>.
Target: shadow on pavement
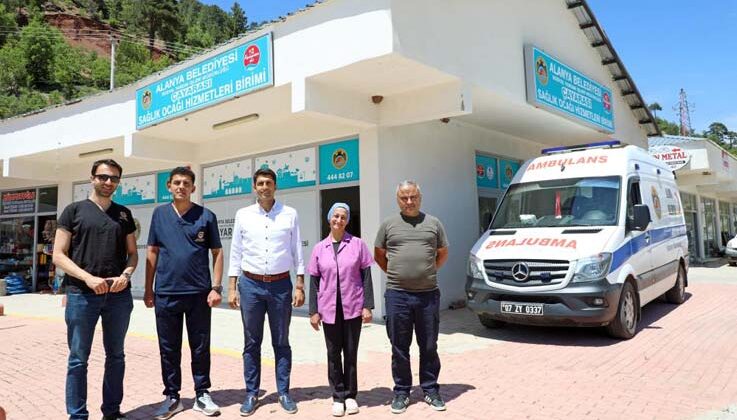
<point x="466" y="322"/>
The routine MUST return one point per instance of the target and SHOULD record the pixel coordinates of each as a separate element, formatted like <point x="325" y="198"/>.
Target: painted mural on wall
<point x="293" y="169"/>
<point x="339" y="162"/>
<point x="227" y="179"/>
<point x="135" y="190"/>
<point x="81" y="191"/>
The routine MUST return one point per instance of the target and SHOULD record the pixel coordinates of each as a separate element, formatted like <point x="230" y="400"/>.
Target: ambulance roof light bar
<point x="596" y="145"/>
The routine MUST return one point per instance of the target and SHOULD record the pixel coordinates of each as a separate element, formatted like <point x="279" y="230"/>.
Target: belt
<point x="267" y="278"/>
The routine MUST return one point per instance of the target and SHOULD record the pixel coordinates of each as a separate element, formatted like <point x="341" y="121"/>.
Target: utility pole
<point x="684" y="113"/>
<point x="112" y="61"/>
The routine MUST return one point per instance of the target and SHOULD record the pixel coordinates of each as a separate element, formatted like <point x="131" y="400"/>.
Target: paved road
<point x="681" y="365"/>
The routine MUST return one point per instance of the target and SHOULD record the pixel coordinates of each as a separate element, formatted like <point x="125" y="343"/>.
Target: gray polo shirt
<point x="411" y="245"/>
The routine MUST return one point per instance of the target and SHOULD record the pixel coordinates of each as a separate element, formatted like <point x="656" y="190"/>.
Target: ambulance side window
<point x="633" y="197"/>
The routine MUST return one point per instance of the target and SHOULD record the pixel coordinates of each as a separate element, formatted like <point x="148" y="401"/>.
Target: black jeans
<point x="171" y="311"/>
<point x="419" y="312"/>
<point x="342" y="337"/>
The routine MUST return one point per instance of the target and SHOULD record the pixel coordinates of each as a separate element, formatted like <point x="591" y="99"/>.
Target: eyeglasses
<point x="104" y="178"/>
<point x="409" y="197"/>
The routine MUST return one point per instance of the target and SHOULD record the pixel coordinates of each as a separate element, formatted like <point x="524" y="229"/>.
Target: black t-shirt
<point x="98" y="243"/>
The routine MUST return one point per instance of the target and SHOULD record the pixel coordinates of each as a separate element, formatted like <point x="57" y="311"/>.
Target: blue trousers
<point x="81" y="315"/>
<point x="419" y="312"/>
<point x="171" y="313"/>
<point x="258" y="299"/>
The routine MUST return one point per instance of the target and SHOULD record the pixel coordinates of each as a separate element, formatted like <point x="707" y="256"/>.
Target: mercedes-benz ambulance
<point x="584" y="236"/>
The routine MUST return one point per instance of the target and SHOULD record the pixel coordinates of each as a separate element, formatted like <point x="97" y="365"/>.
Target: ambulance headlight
<point x="475" y="267"/>
<point x="592" y="268"/>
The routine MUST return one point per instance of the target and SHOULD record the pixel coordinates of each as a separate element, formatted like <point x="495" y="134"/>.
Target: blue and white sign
<point x="563" y="90"/>
<point x="487" y="175"/>
<point x="136" y="190"/>
<point x="293" y="169"/>
<point x="339" y="162"/>
<point x="162" y="191"/>
<point x="227" y="179"/>
<point x="235" y="72"/>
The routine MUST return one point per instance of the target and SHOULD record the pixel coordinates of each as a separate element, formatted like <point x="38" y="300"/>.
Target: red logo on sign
<point x="252" y="56"/>
<point x="480" y="171"/>
<point x="607" y="102"/>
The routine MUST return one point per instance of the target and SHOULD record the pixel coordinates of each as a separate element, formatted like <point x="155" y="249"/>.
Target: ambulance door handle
<point x="647" y="237"/>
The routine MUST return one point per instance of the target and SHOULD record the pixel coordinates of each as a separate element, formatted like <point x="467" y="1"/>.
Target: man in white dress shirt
<point x="265" y="246"/>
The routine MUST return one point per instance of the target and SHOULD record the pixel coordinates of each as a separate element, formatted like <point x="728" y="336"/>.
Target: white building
<point x="708" y="186"/>
<point x="434" y="91"/>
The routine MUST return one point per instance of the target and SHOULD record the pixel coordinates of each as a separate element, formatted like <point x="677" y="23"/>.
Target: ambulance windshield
<point x="560" y="203"/>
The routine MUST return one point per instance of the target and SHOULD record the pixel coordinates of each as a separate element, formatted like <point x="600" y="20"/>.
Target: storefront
<point x="27" y="228"/>
<point x="344" y="101"/>
<point x="707" y="180"/>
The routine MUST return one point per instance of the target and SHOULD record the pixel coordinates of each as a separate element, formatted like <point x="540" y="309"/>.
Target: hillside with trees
<point x="55" y="51"/>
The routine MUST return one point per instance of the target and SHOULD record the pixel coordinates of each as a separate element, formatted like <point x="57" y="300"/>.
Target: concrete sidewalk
<point x="682" y="364"/>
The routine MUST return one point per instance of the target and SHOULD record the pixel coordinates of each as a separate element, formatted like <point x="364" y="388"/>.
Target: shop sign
<point x="17" y="202"/>
<point x="227" y="179"/>
<point x="486" y="172"/>
<point x="674" y="157"/>
<point x="293" y="169"/>
<point x="339" y="162"/>
<point x="507" y="169"/>
<point x="563" y="90"/>
<point x="162" y="191"/>
<point x="236" y="72"/>
<point x="136" y="190"/>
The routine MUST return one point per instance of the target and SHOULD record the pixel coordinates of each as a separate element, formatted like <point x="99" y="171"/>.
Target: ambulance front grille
<point x="539" y="272"/>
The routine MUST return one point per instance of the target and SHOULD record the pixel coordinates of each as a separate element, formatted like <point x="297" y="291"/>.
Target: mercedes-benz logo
<point x="520" y="272"/>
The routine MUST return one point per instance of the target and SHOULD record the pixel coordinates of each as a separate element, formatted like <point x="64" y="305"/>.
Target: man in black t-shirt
<point x="95" y="245"/>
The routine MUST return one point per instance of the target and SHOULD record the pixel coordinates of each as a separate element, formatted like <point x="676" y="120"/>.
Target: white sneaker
<point x="351" y="406"/>
<point x="204" y="404"/>
<point x="338" y="409"/>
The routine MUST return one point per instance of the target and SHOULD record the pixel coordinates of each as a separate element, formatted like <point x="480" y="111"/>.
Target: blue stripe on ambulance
<point x="637" y="244"/>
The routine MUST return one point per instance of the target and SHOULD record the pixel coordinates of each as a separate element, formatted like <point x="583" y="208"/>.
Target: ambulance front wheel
<point x="624" y="324"/>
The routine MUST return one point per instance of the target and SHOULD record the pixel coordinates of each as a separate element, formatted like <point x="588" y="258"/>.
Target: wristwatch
<point x="218" y="289"/>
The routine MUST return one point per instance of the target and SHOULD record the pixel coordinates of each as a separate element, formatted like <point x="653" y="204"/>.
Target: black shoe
<point x="400" y="404"/>
<point x="435" y="402"/>
<point x="115" y="416"/>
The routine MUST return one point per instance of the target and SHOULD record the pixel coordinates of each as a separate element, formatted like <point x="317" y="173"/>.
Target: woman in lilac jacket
<point x="341" y="298"/>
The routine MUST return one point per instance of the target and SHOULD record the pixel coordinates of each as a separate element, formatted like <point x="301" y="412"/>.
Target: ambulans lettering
<point x="554" y="163"/>
<point x="552" y="242"/>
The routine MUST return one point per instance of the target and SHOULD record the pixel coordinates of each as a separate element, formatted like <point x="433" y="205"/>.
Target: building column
<point x="700" y="227"/>
<point x="371" y="208"/>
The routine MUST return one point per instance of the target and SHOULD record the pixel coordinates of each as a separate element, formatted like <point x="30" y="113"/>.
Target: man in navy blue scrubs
<point x="179" y="239"/>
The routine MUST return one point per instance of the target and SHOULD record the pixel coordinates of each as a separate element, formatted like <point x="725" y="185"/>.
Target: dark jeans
<point x="405" y="312"/>
<point x="342" y="337"/>
<point x="81" y="315"/>
<point x="258" y="299"/>
<point x="171" y="312"/>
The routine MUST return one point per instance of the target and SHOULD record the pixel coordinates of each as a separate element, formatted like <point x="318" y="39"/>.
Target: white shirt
<point x="265" y="243"/>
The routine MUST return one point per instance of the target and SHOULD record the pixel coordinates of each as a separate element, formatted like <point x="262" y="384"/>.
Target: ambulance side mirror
<point x="641" y="217"/>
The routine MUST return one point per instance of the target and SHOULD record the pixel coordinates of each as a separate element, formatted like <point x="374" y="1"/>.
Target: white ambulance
<point x="585" y="236"/>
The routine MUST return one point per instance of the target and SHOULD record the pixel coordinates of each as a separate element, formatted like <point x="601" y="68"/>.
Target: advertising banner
<point x="561" y="89"/>
<point x="293" y="169"/>
<point x="673" y="156"/>
<point x="136" y="190"/>
<point x="17" y="202"/>
<point x="236" y="72"/>
<point x="339" y="162"/>
<point x="227" y="179"/>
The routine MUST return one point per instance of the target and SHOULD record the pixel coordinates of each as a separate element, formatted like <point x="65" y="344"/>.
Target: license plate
<point x="522" y="308"/>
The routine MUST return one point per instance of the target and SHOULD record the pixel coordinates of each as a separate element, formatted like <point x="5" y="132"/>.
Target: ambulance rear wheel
<point x="624" y="324"/>
<point x="489" y="322"/>
<point x="677" y="294"/>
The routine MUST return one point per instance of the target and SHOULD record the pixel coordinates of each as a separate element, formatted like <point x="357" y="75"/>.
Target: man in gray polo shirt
<point x="410" y="247"/>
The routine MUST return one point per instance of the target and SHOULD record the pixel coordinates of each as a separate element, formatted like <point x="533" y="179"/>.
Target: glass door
<point x="16" y="253"/>
<point x="711" y="246"/>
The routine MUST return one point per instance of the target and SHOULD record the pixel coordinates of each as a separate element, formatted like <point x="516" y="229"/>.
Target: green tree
<point x="668" y="127"/>
<point x="238" y="20"/>
<point x="156" y="18"/>
<point x="7" y="24"/>
<point x="37" y="41"/>
<point x="67" y="69"/>
<point x="13" y="74"/>
<point x="717" y="131"/>
<point x="655" y="107"/>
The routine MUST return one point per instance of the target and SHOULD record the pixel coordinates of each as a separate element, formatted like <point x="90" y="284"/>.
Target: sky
<point x="666" y="45"/>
